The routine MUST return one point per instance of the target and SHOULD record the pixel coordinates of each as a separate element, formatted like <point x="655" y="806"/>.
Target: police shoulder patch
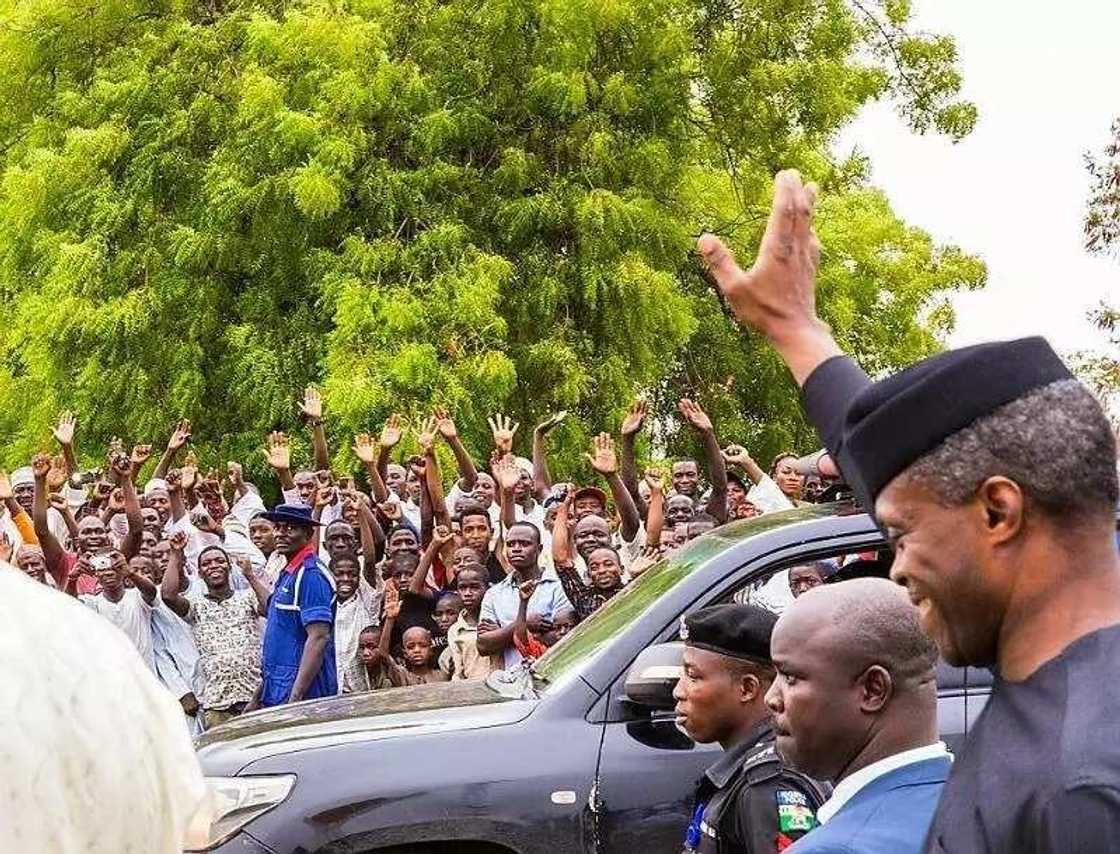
<point x="794" y="813"/>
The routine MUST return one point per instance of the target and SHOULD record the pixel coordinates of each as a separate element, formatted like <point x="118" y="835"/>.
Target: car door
<point x="647" y="772"/>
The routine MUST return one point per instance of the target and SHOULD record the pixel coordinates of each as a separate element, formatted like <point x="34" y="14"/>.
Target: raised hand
<point x="392" y="510"/>
<point x="603" y="457"/>
<point x="210" y="485"/>
<point x="503" y="430"/>
<point x="778" y="293"/>
<point x="174" y="480"/>
<point x="180" y="435"/>
<point x="40" y="466"/>
<point x="312" y="406"/>
<point x="188" y="477"/>
<point x="5" y="486"/>
<point x="56" y="477"/>
<point x="116" y="500"/>
<point x="102" y="489"/>
<point x="116" y="446"/>
<point x="655" y="480"/>
<point x="140" y="455"/>
<point x="324" y="496"/>
<point x="58" y="502"/>
<point x="278" y="452"/>
<point x="64" y="432"/>
<point x="649" y="556"/>
<point x="426" y="438"/>
<point x="526" y="589"/>
<point x="635" y="418"/>
<point x="506" y="472"/>
<point x="551" y="423"/>
<point x="244" y="566"/>
<point x="442" y="535"/>
<point x="122" y="464"/>
<point x="392" y="601"/>
<point x="695" y="415"/>
<point x="363" y="448"/>
<point x="178" y="541"/>
<point x="736" y="455"/>
<point x="391" y="433"/>
<point x="444" y="424"/>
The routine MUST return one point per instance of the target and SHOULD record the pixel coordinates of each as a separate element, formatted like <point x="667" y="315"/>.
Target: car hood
<point x="388" y="713"/>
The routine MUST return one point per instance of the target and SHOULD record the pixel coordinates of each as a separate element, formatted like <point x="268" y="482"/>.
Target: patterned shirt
<point x="229" y="647"/>
<point x="585" y="598"/>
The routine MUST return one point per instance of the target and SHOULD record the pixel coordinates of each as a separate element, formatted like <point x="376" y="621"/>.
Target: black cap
<point x="740" y="631"/>
<point x="896" y="421"/>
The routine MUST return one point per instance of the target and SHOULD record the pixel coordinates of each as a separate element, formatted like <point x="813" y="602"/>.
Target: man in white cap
<point x="95" y="746"/>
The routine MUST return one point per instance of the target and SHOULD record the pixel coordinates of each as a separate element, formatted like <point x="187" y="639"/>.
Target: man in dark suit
<point x="992" y="472"/>
<point x="855" y="703"/>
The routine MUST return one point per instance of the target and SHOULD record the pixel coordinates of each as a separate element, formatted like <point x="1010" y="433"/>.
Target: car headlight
<point x="236" y="801"/>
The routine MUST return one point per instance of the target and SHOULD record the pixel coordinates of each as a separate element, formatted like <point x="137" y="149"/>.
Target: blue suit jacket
<point x="890" y="815"/>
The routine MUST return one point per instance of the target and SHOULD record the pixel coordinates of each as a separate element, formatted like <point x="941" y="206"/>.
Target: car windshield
<point x="585" y="641"/>
<point x="594" y="634"/>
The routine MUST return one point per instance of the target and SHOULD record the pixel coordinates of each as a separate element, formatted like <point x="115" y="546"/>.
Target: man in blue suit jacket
<point x="855" y="702"/>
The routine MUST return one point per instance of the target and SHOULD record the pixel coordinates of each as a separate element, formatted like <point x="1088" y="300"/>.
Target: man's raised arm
<point x="777" y="297"/>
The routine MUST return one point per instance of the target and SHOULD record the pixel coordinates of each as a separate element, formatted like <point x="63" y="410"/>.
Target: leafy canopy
<point x="485" y="204"/>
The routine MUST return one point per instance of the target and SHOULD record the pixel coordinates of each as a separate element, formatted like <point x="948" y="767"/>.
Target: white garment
<point x="767" y="497"/>
<point x="96" y="748"/>
<point x="175" y="652"/>
<point x="353" y="615"/>
<point x="133" y="616"/>
<point x="774" y="595"/>
<point x="847" y="788"/>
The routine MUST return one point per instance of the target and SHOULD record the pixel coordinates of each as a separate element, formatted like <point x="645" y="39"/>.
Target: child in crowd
<point x="372" y="673"/>
<point x="416" y="643"/>
<point x="461" y="659"/>
<point x="446" y="613"/>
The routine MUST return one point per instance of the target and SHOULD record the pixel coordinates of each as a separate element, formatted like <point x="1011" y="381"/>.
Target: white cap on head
<point x="524" y="464"/>
<point x="154" y="485"/>
<point x="23" y="477"/>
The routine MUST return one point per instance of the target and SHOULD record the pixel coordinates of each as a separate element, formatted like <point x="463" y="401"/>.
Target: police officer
<point x="992" y="471"/>
<point x="747" y="801"/>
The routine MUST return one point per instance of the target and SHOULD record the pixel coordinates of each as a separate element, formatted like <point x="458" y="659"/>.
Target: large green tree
<point x="485" y="204"/>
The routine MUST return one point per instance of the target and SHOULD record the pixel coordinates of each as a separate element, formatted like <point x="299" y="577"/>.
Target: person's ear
<point x="1003" y="504"/>
<point x="750" y="688"/>
<point x="876" y="689"/>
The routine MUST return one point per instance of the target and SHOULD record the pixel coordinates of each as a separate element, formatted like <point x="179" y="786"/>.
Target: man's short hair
<point x="536" y="531"/>
<point x="1055" y="443"/>
<point x="475" y="509"/>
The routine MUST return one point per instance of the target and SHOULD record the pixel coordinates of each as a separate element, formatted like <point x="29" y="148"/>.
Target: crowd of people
<point x="337" y="589"/>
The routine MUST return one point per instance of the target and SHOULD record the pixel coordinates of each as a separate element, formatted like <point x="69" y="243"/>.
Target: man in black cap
<point x="993" y="474"/>
<point x="747" y="801"/>
<point x="297" y="660"/>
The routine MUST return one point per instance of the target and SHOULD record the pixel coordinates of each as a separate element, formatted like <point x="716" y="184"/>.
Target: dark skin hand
<point x="717" y="469"/>
<point x="542" y="480"/>
<point x="631" y="427"/>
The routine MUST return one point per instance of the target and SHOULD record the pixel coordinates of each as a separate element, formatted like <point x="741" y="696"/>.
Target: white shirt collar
<point x="847" y="788"/>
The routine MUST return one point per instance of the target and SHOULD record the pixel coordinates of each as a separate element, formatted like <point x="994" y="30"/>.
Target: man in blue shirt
<point x="297" y="662"/>
<point x="855" y="702"/>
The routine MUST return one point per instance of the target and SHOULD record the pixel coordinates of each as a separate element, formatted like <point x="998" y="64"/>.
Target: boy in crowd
<point x="445" y="615"/>
<point x="461" y="660"/>
<point x="372" y="670"/>
<point x="358" y="606"/>
<point x="416" y="644"/>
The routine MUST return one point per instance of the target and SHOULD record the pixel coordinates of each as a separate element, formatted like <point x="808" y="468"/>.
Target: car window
<point x="594" y="634"/>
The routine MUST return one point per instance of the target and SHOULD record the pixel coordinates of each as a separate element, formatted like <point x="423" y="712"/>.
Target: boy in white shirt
<point x="127" y="608"/>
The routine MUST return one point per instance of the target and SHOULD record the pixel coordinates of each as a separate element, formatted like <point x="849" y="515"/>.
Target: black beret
<point x="740" y="631"/>
<point x="896" y="421"/>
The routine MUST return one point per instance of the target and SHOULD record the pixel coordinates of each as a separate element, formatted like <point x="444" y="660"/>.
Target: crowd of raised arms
<point x="425" y="583"/>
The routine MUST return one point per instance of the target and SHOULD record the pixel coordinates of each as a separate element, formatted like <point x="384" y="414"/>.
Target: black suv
<point x="579" y="754"/>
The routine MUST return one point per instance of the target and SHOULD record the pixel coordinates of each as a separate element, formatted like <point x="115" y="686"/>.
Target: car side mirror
<point x="653" y="676"/>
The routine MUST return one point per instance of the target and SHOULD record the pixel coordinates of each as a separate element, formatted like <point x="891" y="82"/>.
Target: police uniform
<point x="1042" y="769"/>
<point x="748" y="802"/>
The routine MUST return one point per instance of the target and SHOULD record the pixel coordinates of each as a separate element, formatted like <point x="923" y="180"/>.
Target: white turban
<point x="23" y="477"/>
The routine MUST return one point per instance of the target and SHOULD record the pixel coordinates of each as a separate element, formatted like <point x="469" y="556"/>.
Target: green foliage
<point x="485" y="204"/>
